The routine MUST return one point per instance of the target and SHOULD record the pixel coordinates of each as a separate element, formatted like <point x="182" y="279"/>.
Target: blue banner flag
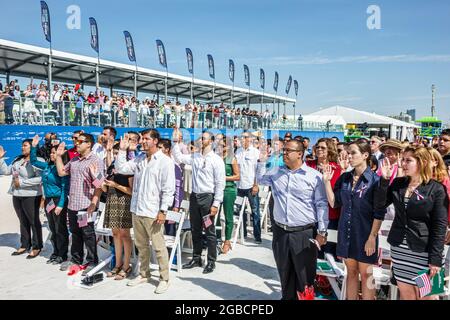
<point x="94" y="34"/>
<point x="247" y="75"/>
<point x="161" y="53"/>
<point x="190" y="60"/>
<point x="211" y="66"/>
<point x="130" y="46"/>
<point x="45" y="20"/>
<point x="296" y="87"/>
<point x="288" y="86"/>
<point x="262" y="78"/>
<point x="275" y="82"/>
<point x="231" y="70"/>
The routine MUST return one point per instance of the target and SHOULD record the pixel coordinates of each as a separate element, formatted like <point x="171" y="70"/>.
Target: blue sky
<point x="324" y="44"/>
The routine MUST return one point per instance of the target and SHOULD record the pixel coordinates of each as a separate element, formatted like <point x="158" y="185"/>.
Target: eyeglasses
<point x="74" y="137"/>
<point x="80" y="141"/>
<point x="286" y="151"/>
<point x="321" y="148"/>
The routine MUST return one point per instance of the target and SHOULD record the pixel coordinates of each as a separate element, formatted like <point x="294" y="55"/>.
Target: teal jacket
<point x="54" y="185"/>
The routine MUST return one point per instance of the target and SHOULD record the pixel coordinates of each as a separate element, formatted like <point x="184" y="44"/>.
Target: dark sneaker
<point x="66" y="265"/>
<point x="58" y="260"/>
<point x="51" y="259"/>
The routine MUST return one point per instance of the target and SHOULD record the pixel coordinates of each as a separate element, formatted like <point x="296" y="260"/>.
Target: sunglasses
<point x="80" y="141"/>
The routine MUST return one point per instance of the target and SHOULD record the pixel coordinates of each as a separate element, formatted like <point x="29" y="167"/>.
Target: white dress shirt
<point x="248" y="162"/>
<point x="208" y="172"/>
<point x="153" y="184"/>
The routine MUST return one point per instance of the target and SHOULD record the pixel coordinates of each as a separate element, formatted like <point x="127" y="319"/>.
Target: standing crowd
<point x="349" y="187"/>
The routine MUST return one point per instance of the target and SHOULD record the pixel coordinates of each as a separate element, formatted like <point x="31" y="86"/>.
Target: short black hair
<point x="383" y="135"/>
<point x="166" y="143"/>
<point x="78" y="131"/>
<point x="153" y="133"/>
<point x="88" y="137"/>
<point x="337" y="139"/>
<point x="445" y="132"/>
<point x="306" y="138"/>
<point x="299" y="144"/>
<point x="112" y="131"/>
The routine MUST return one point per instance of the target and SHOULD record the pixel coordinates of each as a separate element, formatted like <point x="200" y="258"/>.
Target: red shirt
<point x="333" y="214"/>
<point x="72" y="153"/>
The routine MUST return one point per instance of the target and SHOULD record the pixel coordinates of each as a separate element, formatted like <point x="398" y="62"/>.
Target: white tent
<point x="397" y="129"/>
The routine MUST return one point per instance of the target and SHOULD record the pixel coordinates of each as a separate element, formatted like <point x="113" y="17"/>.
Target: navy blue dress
<point x="357" y="215"/>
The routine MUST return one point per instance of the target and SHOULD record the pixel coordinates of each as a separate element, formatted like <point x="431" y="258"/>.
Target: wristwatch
<point x="323" y="233"/>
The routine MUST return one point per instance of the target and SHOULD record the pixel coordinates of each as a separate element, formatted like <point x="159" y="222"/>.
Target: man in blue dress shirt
<point x="300" y="215"/>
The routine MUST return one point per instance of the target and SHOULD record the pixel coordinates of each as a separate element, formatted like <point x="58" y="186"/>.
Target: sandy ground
<point x="247" y="272"/>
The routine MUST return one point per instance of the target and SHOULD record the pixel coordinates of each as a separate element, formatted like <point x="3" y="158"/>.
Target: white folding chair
<point x="186" y="234"/>
<point x="336" y="270"/>
<point x="239" y="221"/>
<point x="264" y="195"/>
<point x="173" y="242"/>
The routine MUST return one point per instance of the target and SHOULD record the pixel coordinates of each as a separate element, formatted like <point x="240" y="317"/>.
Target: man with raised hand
<point x="86" y="174"/>
<point x="208" y="184"/>
<point x="153" y="192"/>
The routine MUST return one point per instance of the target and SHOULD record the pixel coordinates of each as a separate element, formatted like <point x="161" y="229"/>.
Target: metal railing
<point x="65" y="113"/>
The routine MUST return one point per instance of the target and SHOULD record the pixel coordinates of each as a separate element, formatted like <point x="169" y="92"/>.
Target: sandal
<point x="113" y="272"/>
<point x="19" y="251"/>
<point x="226" y="246"/>
<point x="123" y="274"/>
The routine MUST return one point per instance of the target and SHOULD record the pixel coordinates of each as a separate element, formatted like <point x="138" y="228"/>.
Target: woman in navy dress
<point x="359" y="221"/>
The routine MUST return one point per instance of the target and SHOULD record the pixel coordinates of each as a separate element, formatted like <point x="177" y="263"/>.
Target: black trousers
<point x="58" y="227"/>
<point x="199" y="206"/>
<point x="27" y="210"/>
<point x="296" y="259"/>
<point x="81" y="237"/>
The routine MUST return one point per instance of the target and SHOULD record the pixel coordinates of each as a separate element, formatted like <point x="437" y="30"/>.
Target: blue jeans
<point x="256" y="216"/>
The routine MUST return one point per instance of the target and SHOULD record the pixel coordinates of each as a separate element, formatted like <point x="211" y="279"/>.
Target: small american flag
<point x="50" y="206"/>
<point x="424" y="284"/>
<point x="97" y="182"/>
<point x="207" y="221"/>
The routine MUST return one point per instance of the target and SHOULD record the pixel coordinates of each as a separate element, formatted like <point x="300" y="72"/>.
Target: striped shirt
<point x="81" y="178"/>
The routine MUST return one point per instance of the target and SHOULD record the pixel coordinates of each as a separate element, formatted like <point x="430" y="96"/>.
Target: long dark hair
<point x="18" y="158"/>
<point x="363" y="147"/>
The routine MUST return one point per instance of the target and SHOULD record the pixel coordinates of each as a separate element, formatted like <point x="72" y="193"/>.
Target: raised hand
<point x="343" y="160"/>
<point x="61" y="149"/>
<point x="35" y="141"/>
<point x="386" y="169"/>
<point x="2" y="152"/>
<point x="110" y="144"/>
<point x="328" y="173"/>
<point x="175" y="134"/>
<point x="124" y="143"/>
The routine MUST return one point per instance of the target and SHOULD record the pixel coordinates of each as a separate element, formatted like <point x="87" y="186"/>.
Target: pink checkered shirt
<point x="81" y="178"/>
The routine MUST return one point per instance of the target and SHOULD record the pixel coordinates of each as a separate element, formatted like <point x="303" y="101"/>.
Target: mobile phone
<point x="56" y="142"/>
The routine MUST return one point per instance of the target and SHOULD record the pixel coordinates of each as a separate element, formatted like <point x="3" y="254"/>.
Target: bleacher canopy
<point x="32" y="61"/>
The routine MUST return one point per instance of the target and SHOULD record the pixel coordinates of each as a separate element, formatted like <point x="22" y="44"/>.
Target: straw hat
<point x="392" y="143"/>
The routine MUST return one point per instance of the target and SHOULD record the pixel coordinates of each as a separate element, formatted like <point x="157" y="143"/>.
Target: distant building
<point x="412" y="113"/>
<point x="406" y="117"/>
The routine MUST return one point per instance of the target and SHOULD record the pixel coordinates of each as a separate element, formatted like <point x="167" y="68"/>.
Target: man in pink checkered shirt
<point x="86" y="174"/>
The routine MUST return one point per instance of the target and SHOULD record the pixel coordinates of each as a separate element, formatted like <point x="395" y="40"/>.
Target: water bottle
<point x="113" y="259"/>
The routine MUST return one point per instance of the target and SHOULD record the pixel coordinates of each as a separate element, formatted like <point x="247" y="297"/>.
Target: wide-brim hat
<point x="393" y="144"/>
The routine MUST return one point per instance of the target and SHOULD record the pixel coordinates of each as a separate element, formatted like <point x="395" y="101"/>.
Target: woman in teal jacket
<point x="56" y="189"/>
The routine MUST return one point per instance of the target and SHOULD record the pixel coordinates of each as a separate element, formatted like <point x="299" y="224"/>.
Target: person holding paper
<point x="27" y="194"/>
<point x="208" y="185"/>
<point x="152" y="195"/>
<point x="360" y="219"/>
<point x="418" y="231"/>
<point x="300" y="218"/>
<point x="86" y="176"/>
<point x="56" y="190"/>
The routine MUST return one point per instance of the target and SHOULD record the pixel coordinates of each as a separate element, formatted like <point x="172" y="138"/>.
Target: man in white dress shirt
<point x="153" y="191"/>
<point x="208" y="184"/>
<point x="247" y="157"/>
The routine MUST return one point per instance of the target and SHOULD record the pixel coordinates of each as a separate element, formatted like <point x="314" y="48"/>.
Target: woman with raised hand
<point x="359" y="221"/>
<point x="418" y="231"/>
<point x="27" y="193"/>
<point x="56" y="190"/>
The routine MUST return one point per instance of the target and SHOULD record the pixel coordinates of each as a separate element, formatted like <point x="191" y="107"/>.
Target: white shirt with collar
<point x="208" y="172"/>
<point x="99" y="151"/>
<point x="153" y="184"/>
<point x="248" y="162"/>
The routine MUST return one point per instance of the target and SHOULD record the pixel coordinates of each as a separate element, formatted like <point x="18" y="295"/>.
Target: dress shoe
<point x="209" y="267"/>
<point x="34" y="253"/>
<point x="193" y="263"/>
<point x="58" y="260"/>
<point x="19" y="252"/>
<point x="51" y="259"/>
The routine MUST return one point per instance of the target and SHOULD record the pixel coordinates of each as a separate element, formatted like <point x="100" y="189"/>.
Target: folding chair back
<point x="239" y="221"/>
